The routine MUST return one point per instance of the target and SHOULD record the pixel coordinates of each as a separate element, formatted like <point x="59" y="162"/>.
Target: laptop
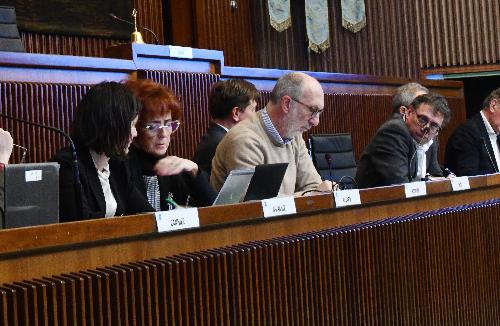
<point x="29" y="194"/>
<point x="252" y="184"/>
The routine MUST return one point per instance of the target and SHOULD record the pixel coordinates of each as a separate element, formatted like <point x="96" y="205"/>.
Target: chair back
<point x="10" y="40"/>
<point x="333" y="157"/>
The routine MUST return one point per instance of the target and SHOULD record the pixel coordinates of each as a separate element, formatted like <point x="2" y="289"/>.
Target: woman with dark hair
<point x="165" y="180"/>
<point x="102" y="131"/>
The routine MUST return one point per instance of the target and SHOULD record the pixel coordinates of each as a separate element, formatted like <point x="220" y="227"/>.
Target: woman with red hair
<point x="165" y="180"/>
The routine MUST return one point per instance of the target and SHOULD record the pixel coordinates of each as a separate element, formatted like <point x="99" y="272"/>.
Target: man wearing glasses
<point x="274" y="135"/>
<point x="474" y="147"/>
<point x="397" y="152"/>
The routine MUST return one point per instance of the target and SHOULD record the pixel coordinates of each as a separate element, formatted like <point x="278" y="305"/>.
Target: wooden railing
<point x="46" y="89"/>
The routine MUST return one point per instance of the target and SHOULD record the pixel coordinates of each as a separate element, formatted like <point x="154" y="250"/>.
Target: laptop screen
<point x="29" y="194"/>
<point x="252" y="184"/>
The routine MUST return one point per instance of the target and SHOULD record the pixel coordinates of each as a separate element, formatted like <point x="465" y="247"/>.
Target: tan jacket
<point x="247" y="144"/>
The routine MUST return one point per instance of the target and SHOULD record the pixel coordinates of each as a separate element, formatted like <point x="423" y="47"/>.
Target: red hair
<point x="156" y="99"/>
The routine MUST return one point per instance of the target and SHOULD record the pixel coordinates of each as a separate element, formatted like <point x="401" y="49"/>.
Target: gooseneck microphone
<point x="328" y="159"/>
<point x="157" y="40"/>
<point x="76" y="171"/>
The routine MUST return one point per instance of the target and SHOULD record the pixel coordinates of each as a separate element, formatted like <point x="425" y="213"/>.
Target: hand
<point x="325" y="186"/>
<point x="173" y="165"/>
<point x="6" y="144"/>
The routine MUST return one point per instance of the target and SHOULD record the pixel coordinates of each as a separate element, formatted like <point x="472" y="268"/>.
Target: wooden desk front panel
<point x="426" y="269"/>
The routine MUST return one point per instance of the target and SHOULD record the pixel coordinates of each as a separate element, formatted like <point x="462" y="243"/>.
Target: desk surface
<point x="60" y="248"/>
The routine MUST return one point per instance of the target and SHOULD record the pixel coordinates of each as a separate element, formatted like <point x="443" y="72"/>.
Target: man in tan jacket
<point x="274" y="135"/>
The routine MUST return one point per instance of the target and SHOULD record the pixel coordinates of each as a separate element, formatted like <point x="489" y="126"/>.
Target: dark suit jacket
<point x="179" y="187"/>
<point x="93" y="205"/>
<point x="432" y="154"/>
<point x="390" y="158"/>
<point x="205" y="151"/>
<point x="469" y="150"/>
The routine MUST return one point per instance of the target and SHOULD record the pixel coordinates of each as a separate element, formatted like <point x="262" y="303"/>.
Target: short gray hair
<point x="405" y="95"/>
<point x="289" y="84"/>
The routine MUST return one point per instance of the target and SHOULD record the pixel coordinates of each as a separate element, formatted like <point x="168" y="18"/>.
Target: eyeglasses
<point x="315" y="112"/>
<point x="423" y="121"/>
<point x="155" y="127"/>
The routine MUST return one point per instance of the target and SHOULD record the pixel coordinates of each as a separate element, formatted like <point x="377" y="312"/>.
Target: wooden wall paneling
<point x="180" y="23"/>
<point x="49" y="104"/>
<point x="220" y="28"/>
<point x="66" y="44"/>
<point x="385" y="47"/>
<point x="458" y="32"/>
<point x="150" y="15"/>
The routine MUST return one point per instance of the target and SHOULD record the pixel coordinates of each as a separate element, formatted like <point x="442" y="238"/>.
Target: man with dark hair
<point x="274" y="135"/>
<point x="473" y="148"/>
<point x="400" y="102"/>
<point x="397" y="152"/>
<point x="229" y="102"/>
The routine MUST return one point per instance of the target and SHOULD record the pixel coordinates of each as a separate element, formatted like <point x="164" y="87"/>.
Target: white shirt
<point x="493" y="139"/>
<point x="101" y="163"/>
<point x="422" y="159"/>
<point x="226" y="129"/>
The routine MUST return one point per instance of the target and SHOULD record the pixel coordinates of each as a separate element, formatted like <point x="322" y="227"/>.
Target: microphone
<point x="328" y="159"/>
<point x="447" y="173"/>
<point x="157" y="40"/>
<point x="420" y="143"/>
<point x="76" y="171"/>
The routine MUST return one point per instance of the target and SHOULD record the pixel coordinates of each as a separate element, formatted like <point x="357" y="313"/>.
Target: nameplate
<point x="460" y="183"/>
<point x="278" y="206"/>
<point x="177" y="219"/>
<point x="347" y="197"/>
<point x="415" y="189"/>
<point x="33" y="175"/>
<point x="181" y="52"/>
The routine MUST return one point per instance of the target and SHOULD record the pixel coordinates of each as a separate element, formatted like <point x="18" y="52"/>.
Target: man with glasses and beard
<point x="274" y="135"/>
<point x="397" y="152"/>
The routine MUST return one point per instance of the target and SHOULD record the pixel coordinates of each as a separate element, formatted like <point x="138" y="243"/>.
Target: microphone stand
<point x="420" y="143"/>
<point x="157" y="40"/>
<point x="76" y="171"/>
<point x="328" y="159"/>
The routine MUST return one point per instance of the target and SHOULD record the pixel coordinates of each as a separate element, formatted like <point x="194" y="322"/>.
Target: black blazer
<point x="93" y="205"/>
<point x="469" y="150"/>
<point x="205" y="151"/>
<point x="390" y="158"/>
<point x="432" y="155"/>
<point x="179" y="187"/>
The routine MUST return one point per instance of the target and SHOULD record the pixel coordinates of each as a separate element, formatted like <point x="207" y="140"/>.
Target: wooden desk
<point x="90" y="244"/>
<point x="322" y="265"/>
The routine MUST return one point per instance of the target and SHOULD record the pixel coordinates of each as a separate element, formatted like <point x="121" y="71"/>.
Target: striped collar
<point x="271" y="129"/>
